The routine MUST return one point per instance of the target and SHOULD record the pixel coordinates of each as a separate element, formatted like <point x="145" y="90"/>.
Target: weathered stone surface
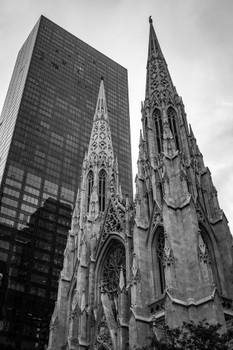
<point x="167" y="258"/>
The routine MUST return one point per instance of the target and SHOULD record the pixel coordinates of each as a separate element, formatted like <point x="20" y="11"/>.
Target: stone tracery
<point x="114" y="262"/>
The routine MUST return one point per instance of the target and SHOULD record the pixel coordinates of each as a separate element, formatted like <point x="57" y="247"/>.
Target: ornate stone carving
<point x="100" y="147"/>
<point x="103" y="336"/>
<point x="158" y="218"/>
<point x="146" y="169"/>
<point x="204" y="254"/>
<point x="113" y="223"/>
<point x="135" y="276"/>
<point x="158" y="80"/>
<point x="164" y="252"/>
<point x="200" y="215"/>
<point x="157" y="306"/>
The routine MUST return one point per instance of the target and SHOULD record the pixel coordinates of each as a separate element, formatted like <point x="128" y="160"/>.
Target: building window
<point x="160" y="257"/>
<point x="207" y="257"/>
<point x="102" y="190"/>
<point x="158" y="129"/>
<point x="172" y="124"/>
<point x="114" y="262"/>
<point x="90" y="183"/>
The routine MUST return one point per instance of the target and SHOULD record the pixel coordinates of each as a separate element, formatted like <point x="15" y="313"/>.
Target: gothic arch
<point x="157" y="250"/>
<point x="172" y="120"/>
<point x="158" y="125"/>
<point x="211" y="254"/>
<point x="110" y="274"/>
<point x="114" y="241"/>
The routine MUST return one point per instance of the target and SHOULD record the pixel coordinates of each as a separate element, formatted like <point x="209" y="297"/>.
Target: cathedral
<point x="129" y="268"/>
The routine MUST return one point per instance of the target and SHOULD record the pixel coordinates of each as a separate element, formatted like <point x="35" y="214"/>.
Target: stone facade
<point x="166" y="258"/>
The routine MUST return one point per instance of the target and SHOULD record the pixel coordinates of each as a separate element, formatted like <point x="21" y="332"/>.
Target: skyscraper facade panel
<point x="45" y="129"/>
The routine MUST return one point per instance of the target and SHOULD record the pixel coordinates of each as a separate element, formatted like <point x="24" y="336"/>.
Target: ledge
<point x="192" y="302"/>
<point x="178" y="204"/>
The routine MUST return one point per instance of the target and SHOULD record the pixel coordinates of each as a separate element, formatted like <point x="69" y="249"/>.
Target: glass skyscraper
<point x="45" y="128"/>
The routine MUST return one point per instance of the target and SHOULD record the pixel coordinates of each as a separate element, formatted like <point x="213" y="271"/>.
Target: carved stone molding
<point x="157" y="306"/>
<point x="103" y="336"/>
<point x="204" y="254"/>
<point x="114" y="221"/>
<point x="135" y="275"/>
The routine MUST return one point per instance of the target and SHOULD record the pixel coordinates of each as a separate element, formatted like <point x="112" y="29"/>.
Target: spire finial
<point x="150" y="20"/>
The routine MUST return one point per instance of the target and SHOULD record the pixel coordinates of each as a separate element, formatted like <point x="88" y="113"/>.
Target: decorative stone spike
<point x="121" y="280"/>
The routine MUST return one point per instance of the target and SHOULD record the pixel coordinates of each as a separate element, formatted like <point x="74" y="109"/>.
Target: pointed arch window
<point x="102" y="190"/>
<point x="160" y="259"/>
<point x="158" y="129"/>
<point x="172" y="124"/>
<point x="207" y="255"/>
<point x="113" y="263"/>
<point x="90" y="183"/>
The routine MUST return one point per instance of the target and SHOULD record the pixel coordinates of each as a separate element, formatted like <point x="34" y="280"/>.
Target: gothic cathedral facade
<point x="166" y="258"/>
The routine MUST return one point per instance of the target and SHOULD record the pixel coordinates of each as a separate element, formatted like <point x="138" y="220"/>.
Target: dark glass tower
<point x="44" y="131"/>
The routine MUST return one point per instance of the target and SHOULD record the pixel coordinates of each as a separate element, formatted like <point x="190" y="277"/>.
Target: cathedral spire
<point x="100" y="147"/>
<point x="159" y="85"/>
<point x="101" y="111"/>
<point x="154" y="48"/>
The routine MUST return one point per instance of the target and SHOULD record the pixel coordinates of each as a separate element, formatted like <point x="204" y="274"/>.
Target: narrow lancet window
<point x="207" y="257"/>
<point x="172" y="124"/>
<point x="102" y="190"/>
<point x="90" y="183"/>
<point x="158" y="129"/>
<point x="160" y="259"/>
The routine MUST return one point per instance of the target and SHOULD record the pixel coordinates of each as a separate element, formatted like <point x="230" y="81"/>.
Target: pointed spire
<point x="159" y="86"/>
<point x="100" y="146"/>
<point x="154" y="47"/>
<point x="141" y="138"/>
<point x="141" y="147"/>
<point x="121" y="280"/>
<point x="191" y="132"/>
<point x="101" y="111"/>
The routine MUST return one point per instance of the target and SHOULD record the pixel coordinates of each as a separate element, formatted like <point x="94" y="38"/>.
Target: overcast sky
<point x="196" y="37"/>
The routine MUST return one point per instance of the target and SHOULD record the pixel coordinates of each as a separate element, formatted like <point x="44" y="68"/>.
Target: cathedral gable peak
<point x="114" y="221"/>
